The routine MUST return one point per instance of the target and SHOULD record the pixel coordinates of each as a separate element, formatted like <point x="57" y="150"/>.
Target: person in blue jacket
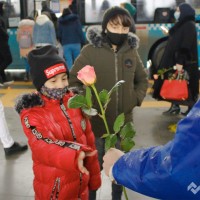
<point x="70" y="35"/>
<point x="167" y="172"/>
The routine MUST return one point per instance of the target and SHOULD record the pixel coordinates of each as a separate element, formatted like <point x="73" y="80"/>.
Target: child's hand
<point x="81" y="158"/>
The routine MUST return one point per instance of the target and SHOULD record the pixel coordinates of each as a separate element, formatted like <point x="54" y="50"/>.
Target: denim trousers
<point x="116" y="189"/>
<point x="27" y="66"/>
<point x="71" y="52"/>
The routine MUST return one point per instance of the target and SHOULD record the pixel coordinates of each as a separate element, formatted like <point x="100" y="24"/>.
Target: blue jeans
<point x="71" y="51"/>
<point x="27" y="66"/>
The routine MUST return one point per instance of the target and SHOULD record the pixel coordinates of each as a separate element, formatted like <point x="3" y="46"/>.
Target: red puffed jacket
<point x="56" y="135"/>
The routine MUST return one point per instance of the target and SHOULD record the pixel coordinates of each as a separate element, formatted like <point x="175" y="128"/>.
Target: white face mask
<point x="177" y="15"/>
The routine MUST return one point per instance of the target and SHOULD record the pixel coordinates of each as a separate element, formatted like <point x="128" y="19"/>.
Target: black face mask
<point x="116" y="38"/>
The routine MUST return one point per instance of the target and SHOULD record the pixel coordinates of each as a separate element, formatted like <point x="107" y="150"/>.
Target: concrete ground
<point x="16" y="172"/>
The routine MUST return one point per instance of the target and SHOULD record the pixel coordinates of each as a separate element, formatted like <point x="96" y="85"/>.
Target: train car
<point x="150" y="17"/>
<point x="14" y="11"/>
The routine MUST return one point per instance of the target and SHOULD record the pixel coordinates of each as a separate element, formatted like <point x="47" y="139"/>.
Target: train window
<point x="163" y="15"/>
<point x="147" y="10"/>
<point x="12" y="12"/>
<point x="94" y="9"/>
<point x="160" y="11"/>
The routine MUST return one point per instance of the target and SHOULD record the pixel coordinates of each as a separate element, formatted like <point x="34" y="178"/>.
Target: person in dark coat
<point x="73" y="7"/>
<point x="5" y="53"/>
<point x="181" y="51"/>
<point x="70" y="35"/>
<point x="112" y="51"/>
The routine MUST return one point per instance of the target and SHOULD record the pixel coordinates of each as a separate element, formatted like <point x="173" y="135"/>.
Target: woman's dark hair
<point x="29" y="17"/>
<point x="66" y="11"/>
<point x="47" y="14"/>
<point x="1" y="8"/>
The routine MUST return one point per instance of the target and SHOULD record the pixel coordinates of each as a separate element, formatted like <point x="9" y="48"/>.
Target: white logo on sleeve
<point x="193" y="188"/>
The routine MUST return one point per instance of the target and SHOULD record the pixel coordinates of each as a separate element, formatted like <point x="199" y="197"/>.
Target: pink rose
<point x="87" y="75"/>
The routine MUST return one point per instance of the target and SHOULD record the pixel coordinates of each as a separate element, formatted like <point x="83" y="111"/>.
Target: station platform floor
<point x="16" y="171"/>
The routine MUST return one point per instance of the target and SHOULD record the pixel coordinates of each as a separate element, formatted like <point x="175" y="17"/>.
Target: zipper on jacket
<point x="55" y="190"/>
<point x="81" y="179"/>
<point x="62" y="106"/>
<point x="116" y="80"/>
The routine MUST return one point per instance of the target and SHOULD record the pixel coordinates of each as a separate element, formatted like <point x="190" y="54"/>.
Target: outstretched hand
<point x="81" y="158"/>
<point x="111" y="156"/>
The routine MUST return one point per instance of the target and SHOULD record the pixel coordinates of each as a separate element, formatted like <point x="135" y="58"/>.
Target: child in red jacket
<point x="65" y="162"/>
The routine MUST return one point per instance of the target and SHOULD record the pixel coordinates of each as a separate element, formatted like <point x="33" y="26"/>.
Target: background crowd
<point x="47" y="42"/>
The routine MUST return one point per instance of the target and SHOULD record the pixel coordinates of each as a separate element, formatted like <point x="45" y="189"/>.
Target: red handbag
<point x="174" y="90"/>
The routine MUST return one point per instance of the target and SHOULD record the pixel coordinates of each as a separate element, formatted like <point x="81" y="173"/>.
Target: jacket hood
<point x="28" y="101"/>
<point x="95" y="37"/>
<point x="186" y="11"/>
<point x="68" y="18"/>
<point x="42" y="19"/>
<point x="26" y="22"/>
<point x="31" y="100"/>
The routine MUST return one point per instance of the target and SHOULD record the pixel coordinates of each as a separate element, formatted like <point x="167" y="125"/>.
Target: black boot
<point x="15" y="148"/>
<point x="173" y="110"/>
<point x="116" y="192"/>
<point x="1" y="82"/>
<point x="187" y="111"/>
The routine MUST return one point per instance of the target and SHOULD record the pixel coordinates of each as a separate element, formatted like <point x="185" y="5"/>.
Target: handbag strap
<point x="183" y="75"/>
<point x="179" y="75"/>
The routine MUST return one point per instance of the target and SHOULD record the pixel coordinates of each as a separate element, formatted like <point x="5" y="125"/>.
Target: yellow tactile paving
<point x="8" y="95"/>
<point x="151" y="104"/>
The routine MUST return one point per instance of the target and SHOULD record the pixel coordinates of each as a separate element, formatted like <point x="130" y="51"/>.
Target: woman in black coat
<point x="181" y="51"/>
<point x="5" y="53"/>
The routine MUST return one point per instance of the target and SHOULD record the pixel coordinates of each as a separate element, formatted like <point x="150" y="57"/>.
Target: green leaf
<point x="90" y="111"/>
<point x="127" y="131"/>
<point x="88" y="97"/>
<point x="127" y="144"/>
<point x="119" y="122"/>
<point x="116" y="86"/>
<point x="77" y="101"/>
<point x="110" y="141"/>
<point x="160" y="71"/>
<point x="103" y="96"/>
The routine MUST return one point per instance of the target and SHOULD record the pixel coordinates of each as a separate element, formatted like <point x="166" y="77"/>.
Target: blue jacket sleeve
<point x="167" y="172"/>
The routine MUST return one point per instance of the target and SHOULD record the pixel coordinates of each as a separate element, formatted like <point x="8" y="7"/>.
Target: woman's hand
<point x="155" y="76"/>
<point x="111" y="156"/>
<point x="179" y="67"/>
